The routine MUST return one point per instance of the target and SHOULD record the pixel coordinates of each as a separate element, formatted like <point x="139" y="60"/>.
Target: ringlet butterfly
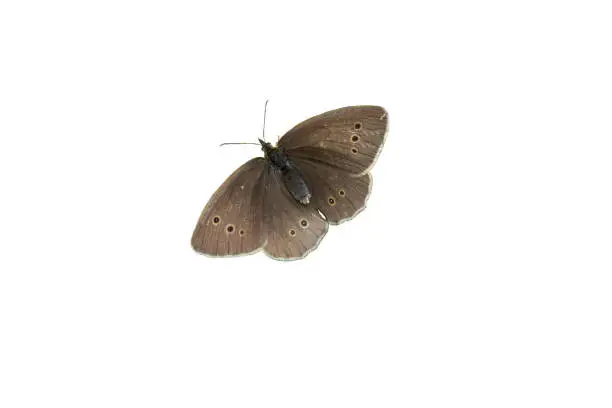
<point x="283" y="202"/>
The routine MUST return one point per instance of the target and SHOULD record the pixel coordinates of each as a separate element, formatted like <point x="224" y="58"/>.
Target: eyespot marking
<point x="341" y="193"/>
<point x="354" y="138"/>
<point x="331" y="201"/>
<point x="292" y="232"/>
<point x="354" y="150"/>
<point x="216" y="220"/>
<point x="304" y="223"/>
<point x="357" y="125"/>
<point x="230" y="229"/>
<point x="241" y="232"/>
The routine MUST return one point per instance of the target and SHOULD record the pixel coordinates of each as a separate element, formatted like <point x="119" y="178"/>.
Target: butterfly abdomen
<point x="295" y="184"/>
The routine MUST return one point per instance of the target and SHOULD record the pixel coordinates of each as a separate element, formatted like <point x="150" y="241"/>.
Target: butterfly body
<point x="283" y="203"/>
<point x="291" y="176"/>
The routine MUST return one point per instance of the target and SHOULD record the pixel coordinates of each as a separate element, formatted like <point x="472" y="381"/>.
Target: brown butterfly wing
<point x="348" y="138"/>
<point x="338" y="194"/>
<point x="232" y="221"/>
<point x="292" y="229"/>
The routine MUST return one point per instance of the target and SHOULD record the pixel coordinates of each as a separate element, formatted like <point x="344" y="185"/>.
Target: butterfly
<point x="318" y="174"/>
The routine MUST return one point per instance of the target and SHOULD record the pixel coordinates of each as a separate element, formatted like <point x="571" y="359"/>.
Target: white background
<point x="479" y="275"/>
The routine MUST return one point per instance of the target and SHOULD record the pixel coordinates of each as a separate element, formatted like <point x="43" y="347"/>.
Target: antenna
<point x="238" y="143"/>
<point x="263" y="132"/>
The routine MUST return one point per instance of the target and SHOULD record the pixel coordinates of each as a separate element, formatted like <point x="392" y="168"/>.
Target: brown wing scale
<point x="338" y="194"/>
<point x="232" y="221"/>
<point x="292" y="229"/>
<point x="348" y="138"/>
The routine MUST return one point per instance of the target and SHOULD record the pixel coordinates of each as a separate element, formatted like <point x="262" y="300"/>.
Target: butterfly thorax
<point x="292" y="178"/>
<point x="276" y="156"/>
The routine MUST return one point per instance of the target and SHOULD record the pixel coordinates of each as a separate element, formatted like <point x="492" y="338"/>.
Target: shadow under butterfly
<point x="283" y="202"/>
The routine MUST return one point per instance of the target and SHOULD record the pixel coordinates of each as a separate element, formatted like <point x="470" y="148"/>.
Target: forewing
<point x="348" y="138"/>
<point x="292" y="229"/>
<point x="232" y="221"/>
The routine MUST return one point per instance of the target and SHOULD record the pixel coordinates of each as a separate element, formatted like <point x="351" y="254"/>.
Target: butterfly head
<point x="265" y="146"/>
